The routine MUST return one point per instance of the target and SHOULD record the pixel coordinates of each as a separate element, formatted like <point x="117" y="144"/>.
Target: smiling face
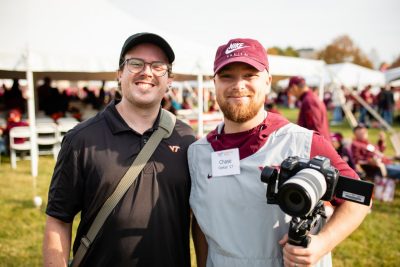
<point x="361" y="134"/>
<point x="240" y="91"/>
<point x="144" y="89"/>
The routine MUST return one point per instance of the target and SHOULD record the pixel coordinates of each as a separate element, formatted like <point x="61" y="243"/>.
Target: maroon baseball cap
<point x="338" y="137"/>
<point x="296" y="80"/>
<point x="248" y="51"/>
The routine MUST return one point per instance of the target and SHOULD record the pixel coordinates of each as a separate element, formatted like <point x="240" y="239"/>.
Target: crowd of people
<point x="186" y="99"/>
<point x="383" y="101"/>
<point x="75" y="101"/>
<point x="367" y="159"/>
<point x="80" y="103"/>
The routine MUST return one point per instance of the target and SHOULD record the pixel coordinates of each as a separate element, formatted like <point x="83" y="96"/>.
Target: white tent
<point x="352" y="75"/>
<point x="85" y="37"/>
<point x="293" y="66"/>
<point x="314" y="71"/>
<point x="75" y="36"/>
<point x="392" y="75"/>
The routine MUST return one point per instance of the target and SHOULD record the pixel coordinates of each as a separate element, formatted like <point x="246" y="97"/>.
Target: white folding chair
<point x="66" y="120"/>
<point x="19" y="141"/>
<point x="44" y="120"/>
<point x="64" y="127"/>
<point x="48" y="139"/>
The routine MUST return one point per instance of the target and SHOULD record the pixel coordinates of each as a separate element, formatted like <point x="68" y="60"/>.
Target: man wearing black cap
<point x="312" y="114"/>
<point x="150" y="224"/>
<point x="233" y="225"/>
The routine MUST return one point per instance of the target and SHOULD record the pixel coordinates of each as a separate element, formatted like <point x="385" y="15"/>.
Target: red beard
<point x="240" y="112"/>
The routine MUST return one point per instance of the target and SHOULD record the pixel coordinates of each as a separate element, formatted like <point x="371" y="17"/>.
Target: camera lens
<point x="295" y="198"/>
<point x="300" y="194"/>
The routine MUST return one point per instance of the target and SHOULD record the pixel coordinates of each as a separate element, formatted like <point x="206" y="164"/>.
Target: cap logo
<point x="233" y="47"/>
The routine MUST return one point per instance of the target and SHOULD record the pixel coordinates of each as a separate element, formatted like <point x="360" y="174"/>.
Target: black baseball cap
<point x="146" y="37"/>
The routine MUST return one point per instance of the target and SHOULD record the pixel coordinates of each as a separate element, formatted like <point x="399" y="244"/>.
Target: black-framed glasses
<point x="136" y="65"/>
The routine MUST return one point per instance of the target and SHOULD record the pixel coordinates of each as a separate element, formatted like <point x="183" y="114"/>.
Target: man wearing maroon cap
<point x="312" y="113"/>
<point x="233" y="224"/>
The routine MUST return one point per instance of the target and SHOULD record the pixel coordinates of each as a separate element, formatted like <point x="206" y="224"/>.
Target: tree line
<point x="341" y="49"/>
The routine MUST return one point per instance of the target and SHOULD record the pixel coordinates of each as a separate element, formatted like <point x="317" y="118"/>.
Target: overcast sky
<point x="372" y="24"/>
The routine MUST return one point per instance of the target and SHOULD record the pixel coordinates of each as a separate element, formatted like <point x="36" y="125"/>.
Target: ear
<point x="119" y="74"/>
<point x="268" y="87"/>
<point x="169" y="82"/>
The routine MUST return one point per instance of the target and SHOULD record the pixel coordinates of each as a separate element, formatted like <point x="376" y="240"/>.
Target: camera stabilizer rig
<point x="300" y="227"/>
<point x="300" y="189"/>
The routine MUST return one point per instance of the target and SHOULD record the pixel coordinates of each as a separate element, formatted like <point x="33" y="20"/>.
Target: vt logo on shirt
<point x="174" y="148"/>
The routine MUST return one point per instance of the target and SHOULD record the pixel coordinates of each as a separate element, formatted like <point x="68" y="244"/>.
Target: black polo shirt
<point x="150" y="225"/>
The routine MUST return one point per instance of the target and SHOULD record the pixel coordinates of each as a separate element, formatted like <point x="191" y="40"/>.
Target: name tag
<point x="225" y="162"/>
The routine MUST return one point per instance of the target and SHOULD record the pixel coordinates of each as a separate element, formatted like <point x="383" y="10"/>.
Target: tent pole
<point x="32" y="125"/>
<point x="200" y="102"/>
<point x="321" y="86"/>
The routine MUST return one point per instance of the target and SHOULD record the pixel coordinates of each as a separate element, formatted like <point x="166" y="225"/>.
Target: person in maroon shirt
<point x="369" y="98"/>
<point x="242" y="79"/>
<point x="370" y="157"/>
<point x="14" y="119"/>
<point x="312" y="115"/>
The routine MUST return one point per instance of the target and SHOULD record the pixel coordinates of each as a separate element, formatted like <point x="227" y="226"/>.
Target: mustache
<point x="143" y="78"/>
<point x="239" y="94"/>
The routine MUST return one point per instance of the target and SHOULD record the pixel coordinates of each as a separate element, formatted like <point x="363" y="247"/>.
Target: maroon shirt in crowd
<point x="367" y="95"/>
<point x="313" y="114"/>
<point x="365" y="152"/>
<point x="12" y="124"/>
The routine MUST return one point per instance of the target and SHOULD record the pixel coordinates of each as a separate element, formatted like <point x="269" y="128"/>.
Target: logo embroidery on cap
<point x="174" y="148"/>
<point x="233" y="47"/>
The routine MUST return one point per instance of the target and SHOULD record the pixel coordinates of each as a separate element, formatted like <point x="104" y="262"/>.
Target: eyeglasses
<point x="136" y="65"/>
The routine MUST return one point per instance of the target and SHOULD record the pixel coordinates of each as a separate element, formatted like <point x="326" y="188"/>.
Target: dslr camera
<point x="302" y="183"/>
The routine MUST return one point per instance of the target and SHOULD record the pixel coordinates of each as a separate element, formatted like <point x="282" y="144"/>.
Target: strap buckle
<point x="85" y="242"/>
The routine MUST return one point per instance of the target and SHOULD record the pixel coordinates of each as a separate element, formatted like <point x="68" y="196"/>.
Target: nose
<point x="147" y="69"/>
<point x="239" y="84"/>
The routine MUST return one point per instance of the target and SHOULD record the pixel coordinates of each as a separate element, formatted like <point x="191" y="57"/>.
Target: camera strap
<point x="165" y="128"/>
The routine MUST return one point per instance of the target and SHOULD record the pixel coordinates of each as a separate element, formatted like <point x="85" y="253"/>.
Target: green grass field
<point x="375" y="243"/>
